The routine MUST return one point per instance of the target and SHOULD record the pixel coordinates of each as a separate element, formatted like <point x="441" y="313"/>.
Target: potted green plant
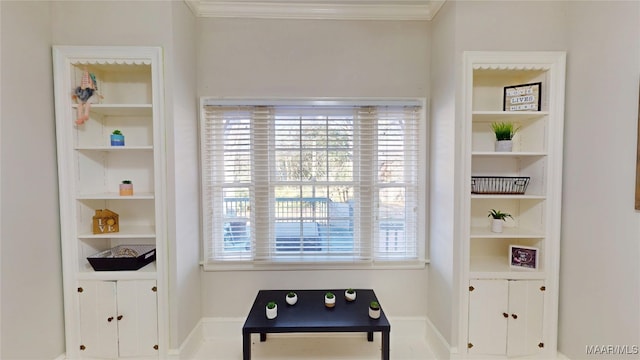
<point x="374" y="310"/>
<point x="117" y="138"/>
<point x="272" y="310"/>
<point x="291" y="298"/>
<point x="126" y="188"/>
<point x="350" y="294"/>
<point x="504" y="132"/>
<point x="498" y="217"/>
<point x="329" y="300"/>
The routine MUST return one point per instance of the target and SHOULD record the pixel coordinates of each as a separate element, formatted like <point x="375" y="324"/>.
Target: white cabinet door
<point x="505" y="317"/>
<point x="138" y="325"/>
<point x="118" y="318"/>
<point x="98" y="322"/>
<point x="526" y="305"/>
<point x="488" y="305"/>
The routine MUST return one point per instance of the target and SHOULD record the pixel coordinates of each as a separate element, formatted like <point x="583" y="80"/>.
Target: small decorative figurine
<point x="83" y="93"/>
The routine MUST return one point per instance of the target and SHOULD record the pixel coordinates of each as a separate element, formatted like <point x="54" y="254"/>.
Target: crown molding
<point x="333" y="10"/>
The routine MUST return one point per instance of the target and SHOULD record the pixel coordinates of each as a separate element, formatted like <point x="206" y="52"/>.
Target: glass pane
<point x="237" y="150"/>
<point x="391" y="215"/>
<point x="237" y="226"/>
<point x="340" y="166"/>
<point x="318" y="219"/>
<point x="391" y="151"/>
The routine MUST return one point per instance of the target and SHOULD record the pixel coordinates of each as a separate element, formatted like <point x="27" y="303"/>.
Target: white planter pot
<point x="330" y="302"/>
<point x="374" y="314"/>
<point x="272" y="313"/>
<point x="496" y="225"/>
<point x="504" y="146"/>
<point x="292" y="300"/>
<point x="349" y="297"/>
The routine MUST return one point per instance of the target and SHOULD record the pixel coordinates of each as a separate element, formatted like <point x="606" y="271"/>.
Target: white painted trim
<point x="315" y="10"/>
<point x="190" y="345"/>
<point x="437" y="342"/>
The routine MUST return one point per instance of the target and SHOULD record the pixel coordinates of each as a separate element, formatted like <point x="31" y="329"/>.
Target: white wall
<point x="32" y="320"/>
<point x="442" y="303"/>
<point x="291" y="58"/>
<point x="184" y="178"/>
<point x="600" y="271"/>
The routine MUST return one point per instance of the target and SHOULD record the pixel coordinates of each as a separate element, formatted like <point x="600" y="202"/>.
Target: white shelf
<point x="120" y="109"/>
<point x="116" y="196"/>
<point x="506" y="197"/>
<point x="126" y="231"/>
<point x="497" y="267"/>
<point x="147" y="272"/>
<point x="514" y="154"/>
<point x="492" y="116"/>
<point x="115" y="148"/>
<point x="507" y="233"/>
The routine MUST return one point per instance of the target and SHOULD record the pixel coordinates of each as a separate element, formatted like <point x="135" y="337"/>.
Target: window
<point x="312" y="182"/>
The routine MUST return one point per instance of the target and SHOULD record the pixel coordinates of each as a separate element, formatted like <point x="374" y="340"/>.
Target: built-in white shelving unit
<point x="112" y="314"/>
<point x="509" y="311"/>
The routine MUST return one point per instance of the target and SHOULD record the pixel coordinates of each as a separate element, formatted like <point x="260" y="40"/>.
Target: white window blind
<point x="311" y="183"/>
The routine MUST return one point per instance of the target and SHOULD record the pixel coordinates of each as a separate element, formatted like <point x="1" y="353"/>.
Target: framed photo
<point x="523" y="257"/>
<point x="524" y="97"/>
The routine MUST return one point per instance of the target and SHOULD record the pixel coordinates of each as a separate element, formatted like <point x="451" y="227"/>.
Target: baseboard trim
<point x="438" y="344"/>
<point x="190" y="345"/>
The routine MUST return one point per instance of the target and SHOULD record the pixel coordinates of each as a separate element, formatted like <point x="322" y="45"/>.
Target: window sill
<point x="298" y="266"/>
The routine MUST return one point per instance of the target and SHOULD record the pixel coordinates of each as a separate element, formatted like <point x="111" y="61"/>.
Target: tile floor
<point x="315" y="347"/>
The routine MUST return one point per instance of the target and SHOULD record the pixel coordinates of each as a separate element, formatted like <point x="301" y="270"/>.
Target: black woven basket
<point x="123" y="257"/>
<point x="499" y="185"/>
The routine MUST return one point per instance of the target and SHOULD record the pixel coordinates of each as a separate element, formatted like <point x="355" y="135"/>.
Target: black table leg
<point x="385" y="345"/>
<point x="246" y="346"/>
<point x="263" y="336"/>
<point x="370" y="336"/>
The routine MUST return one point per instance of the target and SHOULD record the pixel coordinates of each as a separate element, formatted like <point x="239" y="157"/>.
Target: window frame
<point x="275" y="264"/>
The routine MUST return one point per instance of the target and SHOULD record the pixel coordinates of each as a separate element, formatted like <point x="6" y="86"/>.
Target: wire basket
<point x="502" y="185"/>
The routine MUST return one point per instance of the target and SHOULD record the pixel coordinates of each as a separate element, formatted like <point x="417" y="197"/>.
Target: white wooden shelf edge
<point x="497" y="267"/>
<point x="120" y="109"/>
<point x="509" y="113"/>
<point x="509" y="154"/>
<point x="517" y="197"/>
<point x="508" y="232"/>
<point x="114" y="148"/>
<point x="125" y="232"/>
<point x="116" y="196"/>
<point x="147" y="272"/>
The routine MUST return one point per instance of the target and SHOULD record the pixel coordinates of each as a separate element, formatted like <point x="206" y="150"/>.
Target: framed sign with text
<point x="523" y="257"/>
<point x="525" y="97"/>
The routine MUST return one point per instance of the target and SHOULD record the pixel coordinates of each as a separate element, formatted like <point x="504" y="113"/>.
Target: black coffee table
<point x="310" y="315"/>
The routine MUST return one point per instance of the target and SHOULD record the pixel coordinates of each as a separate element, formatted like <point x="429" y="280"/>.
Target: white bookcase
<point x="509" y="311"/>
<point x="111" y="314"/>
